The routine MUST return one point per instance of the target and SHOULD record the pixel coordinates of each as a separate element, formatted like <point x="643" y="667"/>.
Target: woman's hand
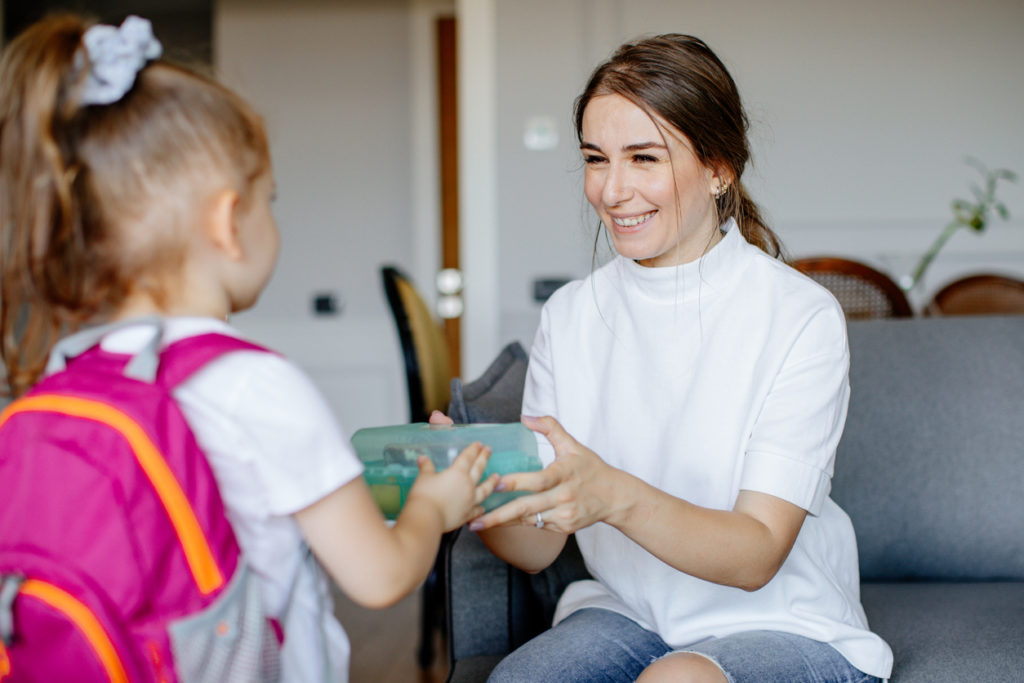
<point x="439" y="418"/>
<point x="457" y="492"/>
<point x="576" y="490"/>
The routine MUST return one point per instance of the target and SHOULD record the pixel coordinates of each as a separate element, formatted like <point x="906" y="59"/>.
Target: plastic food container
<point x="389" y="456"/>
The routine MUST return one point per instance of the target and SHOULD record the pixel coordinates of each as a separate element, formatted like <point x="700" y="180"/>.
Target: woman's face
<point x="648" y="188"/>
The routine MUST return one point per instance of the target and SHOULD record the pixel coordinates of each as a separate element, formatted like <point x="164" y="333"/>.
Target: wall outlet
<point x="326" y="303"/>
<point x="543" y="288"/>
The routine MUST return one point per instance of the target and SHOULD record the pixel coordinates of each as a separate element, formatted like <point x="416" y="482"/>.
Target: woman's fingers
<point x="552" y="430"/>
<point x="541" y="480"/>
<point x="518" y="512"/>
<point x="439" y="418"/>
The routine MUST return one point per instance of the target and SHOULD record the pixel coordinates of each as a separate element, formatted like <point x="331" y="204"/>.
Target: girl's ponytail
<point x="39" y="222"/>
<point x="100" y="174"/>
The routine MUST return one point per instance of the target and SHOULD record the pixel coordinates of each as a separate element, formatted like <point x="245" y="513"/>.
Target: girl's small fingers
<point x="480" y="464"/>
<point x="486" y="488"/>
<point x="425" y="464"/>
<point x="467" y="456"/>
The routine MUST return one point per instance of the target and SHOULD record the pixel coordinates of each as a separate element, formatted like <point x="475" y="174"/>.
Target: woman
<point x="704" y="384"/>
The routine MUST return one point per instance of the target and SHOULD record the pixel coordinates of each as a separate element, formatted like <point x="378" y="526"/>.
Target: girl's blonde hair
<point x="73" y="177"/>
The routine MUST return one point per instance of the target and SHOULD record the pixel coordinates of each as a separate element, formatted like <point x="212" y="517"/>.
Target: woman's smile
<point x="627" y="224"/>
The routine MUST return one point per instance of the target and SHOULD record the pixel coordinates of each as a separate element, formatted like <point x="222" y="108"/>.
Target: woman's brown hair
<point x="678" y="79"/>
<point x="72" y="176"/>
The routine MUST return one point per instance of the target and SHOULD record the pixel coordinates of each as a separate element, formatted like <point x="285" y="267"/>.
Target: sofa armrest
<point x="478" y="599"/>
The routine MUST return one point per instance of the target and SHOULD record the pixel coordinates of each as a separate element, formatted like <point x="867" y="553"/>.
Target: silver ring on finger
<point x="540" y="521"/>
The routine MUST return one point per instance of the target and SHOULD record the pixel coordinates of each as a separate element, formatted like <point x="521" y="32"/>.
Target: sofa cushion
<point x="949" y="632"/>
<point x="497" y="395"/>
<point x="931" y="464"/>
<point x="473" y="669"/>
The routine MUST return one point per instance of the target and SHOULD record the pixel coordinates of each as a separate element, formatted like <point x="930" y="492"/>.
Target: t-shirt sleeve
<point x="791" y="451"/>
<point x="539" y="389"/>
<point x="299" y="452"/>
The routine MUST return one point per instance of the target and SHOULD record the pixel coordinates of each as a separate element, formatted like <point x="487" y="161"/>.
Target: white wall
<point x="862" y="114"/>
<point x="334" y="81"/>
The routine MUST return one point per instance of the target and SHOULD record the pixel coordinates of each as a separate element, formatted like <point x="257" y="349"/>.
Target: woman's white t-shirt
<point x="275" y="448"/>
<point x="727" y="373"/>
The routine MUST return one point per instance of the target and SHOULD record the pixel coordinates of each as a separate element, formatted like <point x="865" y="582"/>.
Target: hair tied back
<point x="114" y="56"/>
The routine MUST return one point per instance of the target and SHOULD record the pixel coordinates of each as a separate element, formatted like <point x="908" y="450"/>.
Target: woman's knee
<point x="590" y="645"/>
<point x="683" y="667"/>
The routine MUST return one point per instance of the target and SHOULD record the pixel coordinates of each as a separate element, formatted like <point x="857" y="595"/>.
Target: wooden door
<point x="447" y="98"/>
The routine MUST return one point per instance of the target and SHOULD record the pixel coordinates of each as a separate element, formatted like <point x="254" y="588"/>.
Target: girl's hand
<point x="457" y="492"/>
<point x="576" y="490"/>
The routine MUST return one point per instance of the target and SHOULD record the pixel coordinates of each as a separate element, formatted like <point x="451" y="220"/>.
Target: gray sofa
<point x="930" y="469"/>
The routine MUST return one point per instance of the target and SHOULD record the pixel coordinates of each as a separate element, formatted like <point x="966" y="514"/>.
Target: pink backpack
<point x="117" y="562"/>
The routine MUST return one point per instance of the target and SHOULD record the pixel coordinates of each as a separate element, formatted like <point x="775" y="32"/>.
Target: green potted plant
<point x="974" y="215"/>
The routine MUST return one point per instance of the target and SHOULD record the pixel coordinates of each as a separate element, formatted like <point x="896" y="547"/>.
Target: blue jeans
<point x="596" y="645"/>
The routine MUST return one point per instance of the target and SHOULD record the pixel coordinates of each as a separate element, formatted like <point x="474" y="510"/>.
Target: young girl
<point x="130" y="187"/>
<point x="705" y="383"/>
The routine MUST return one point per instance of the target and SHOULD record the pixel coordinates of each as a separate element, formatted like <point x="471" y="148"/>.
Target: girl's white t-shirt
<point x="727" y="373"/>
<point x="275" y="448"/>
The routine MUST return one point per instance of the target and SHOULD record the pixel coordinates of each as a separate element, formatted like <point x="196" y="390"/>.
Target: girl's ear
<point x="221" y="228"/>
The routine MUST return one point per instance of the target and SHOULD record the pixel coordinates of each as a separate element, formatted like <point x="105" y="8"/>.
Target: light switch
<point x="540" y="133"/>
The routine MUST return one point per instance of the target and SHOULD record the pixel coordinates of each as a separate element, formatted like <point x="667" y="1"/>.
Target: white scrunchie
<point x="115" y="57"/>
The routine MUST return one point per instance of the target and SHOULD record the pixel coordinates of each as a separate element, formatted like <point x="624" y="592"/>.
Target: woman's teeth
<point x="634" y="220"/>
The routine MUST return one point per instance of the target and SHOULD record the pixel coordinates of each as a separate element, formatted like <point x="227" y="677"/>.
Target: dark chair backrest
<point x="424" y="348"/>
<point x="862" y="291"/>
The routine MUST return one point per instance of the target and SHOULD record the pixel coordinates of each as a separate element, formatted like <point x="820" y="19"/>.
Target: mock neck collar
<point x="702" y="276"/>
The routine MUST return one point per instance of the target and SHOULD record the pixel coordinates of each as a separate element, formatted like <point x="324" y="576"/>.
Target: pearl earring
<point x="722" y="188"/>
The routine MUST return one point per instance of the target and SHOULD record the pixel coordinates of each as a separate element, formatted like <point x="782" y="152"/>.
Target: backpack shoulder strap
<point x="85" y="339"/>
<point x="181" y="359"/>
<point x="170" y="366"/>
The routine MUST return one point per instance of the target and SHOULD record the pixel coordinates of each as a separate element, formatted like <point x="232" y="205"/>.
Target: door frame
<point x="477" y="160"/>
<point x="478" y="182"/>
<point x="423" y="123"/>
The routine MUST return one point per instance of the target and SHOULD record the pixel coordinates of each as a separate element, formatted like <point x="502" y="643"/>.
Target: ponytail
<point x="738" y="205"/>
<point x="42" y="276"/>
<point x="93" y="198"/>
